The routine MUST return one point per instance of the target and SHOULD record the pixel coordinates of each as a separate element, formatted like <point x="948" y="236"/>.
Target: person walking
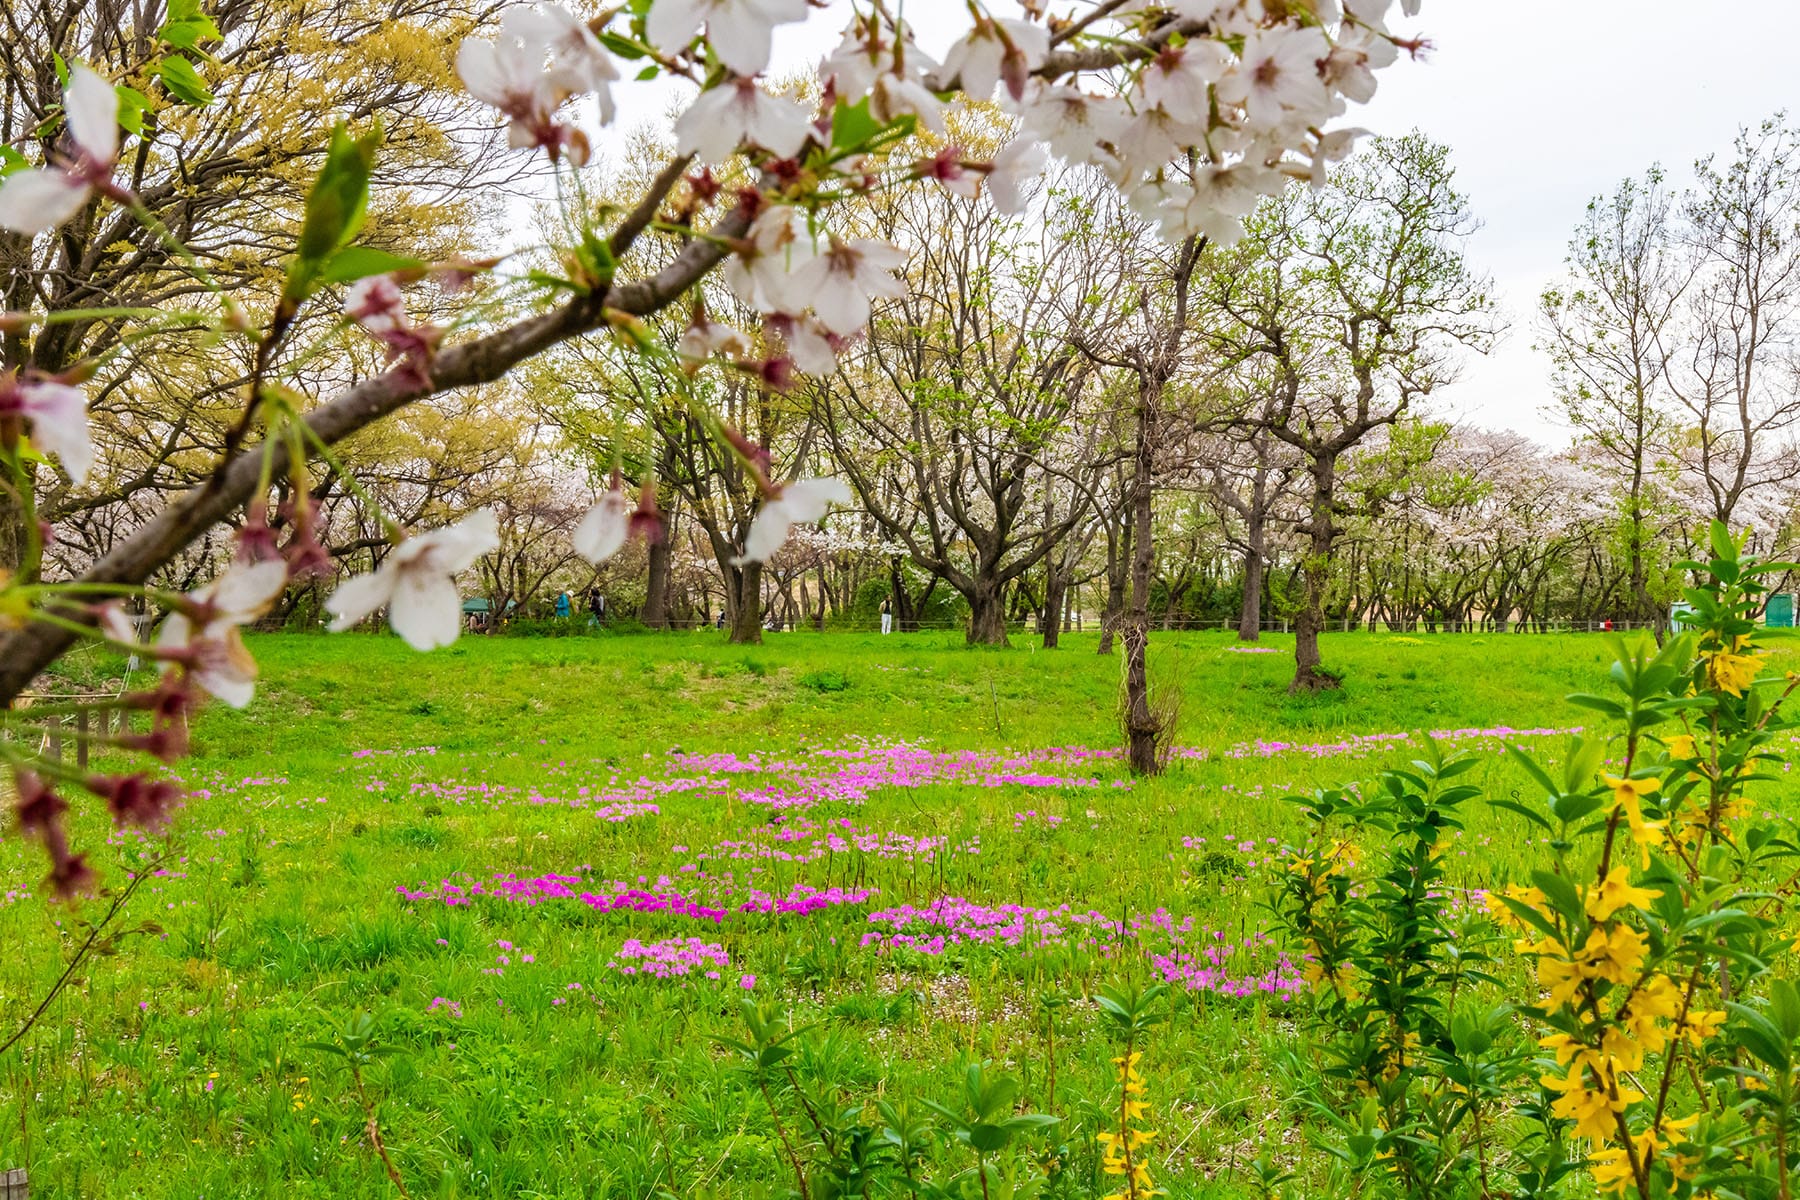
<point x="887" y="614"/>
<point x="563" y="608"/>
<point x="596" y="608"/>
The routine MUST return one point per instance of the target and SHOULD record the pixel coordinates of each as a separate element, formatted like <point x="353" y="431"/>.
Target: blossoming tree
<point x="1193" y="109"/>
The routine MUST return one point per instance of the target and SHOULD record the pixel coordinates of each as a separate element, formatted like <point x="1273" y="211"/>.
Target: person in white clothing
<point x="887" y="616"/>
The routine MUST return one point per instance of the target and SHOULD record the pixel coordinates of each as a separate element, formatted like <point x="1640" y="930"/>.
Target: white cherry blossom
<point x="1178" y="80"/>
<point x="541" y="58"/>
<point x="40" y="198"/>
<point x="896" y="95"/>
<point x="602" y="530"/>
<point x="996" y="50"/>
<point x="807" y="343"/>
<point x="704" y="338"/>
<point x="802" y="502"/>
<point x="208" y="639"/>
<point x="843" y="280"/>
<point x="764" y="271"/>
<point x="1019" y="164"/>
<point x="740" y="32"/>
<point x="1353" y="61"/>
<point x="1074" y="124"/>
<point x="1278" y="79"/>
<point x="58" y="416"/>
<point x="723" y="118"/>
<point x="417" y="583"/>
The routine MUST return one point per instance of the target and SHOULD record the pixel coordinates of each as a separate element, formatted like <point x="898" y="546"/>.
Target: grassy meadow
<point x="551" y="868"/>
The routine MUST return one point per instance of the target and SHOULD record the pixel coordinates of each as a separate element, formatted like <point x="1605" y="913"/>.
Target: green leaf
<point x="624" y="47"/>
<point x="648" y="73"/>
<point x="187" y="26"/>
<point x="11" y="160"/>
<point x="358" y="262"/>
<point x="133" y="104"/>
<point x="1530" y="814"/>
<point x="1722" y="545"/>
<point x="1611" y="708"/>
<point x="852" y="125"/>
<point x="183" y="82"/>
<point x="1560" y="892"/>
<point x="335" y="209"/>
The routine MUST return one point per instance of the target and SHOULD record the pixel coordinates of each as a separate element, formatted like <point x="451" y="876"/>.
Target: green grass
<point x="279" y="916"/>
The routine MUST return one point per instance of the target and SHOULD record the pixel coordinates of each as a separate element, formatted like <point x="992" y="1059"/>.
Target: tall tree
<point x="1352" y="299"/>
<point x="1610" y="329"/>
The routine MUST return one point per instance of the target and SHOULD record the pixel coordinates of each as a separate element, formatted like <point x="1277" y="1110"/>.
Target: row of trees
<point x="1069" y="412"/>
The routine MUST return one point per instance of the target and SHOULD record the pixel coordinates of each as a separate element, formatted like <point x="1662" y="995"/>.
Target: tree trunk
<point x="1315" y="574"/>
<point x="1117" y="576"/>
<point x="1056" y="591"/>
<point x="745" y="603"/>
<point x="1141" y="725"/>
<point x="656" y="586"/>
<point x="987" y="614"/>
<point x="1256" y="536"/>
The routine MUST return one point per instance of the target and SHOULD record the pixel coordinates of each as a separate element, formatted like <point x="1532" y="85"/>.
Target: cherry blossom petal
<point x="246" y="590"/>
<point x="92" y="108"/>
<point x="33" y="200"/>
<point x="603" y="529"/>
<point x="426" y="609"/>
<point x="462" y="543"/>
<point x="767" y="532"/>
<point x="356" y="598"/>
<point x="807" y="499"/>
<point x="59" y="424"/>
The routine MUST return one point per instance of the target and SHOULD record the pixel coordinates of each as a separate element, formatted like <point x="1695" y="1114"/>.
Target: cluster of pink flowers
<point x="669" y="958"/>
<point x="1198" y="960"/>
<point x="804" y="900"/>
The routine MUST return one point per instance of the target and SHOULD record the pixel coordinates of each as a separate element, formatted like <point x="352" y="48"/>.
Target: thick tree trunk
<point x="745" y="584"/>
<point x="1315" y="574"/>
<point x="987" y="614"/>
<point x="1141" y="725"/>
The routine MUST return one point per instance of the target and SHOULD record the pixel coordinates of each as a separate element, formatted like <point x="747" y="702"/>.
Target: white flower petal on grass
<point x="603" y="528"/>
<point x="92" y="108"/>
<point x="722" y="118"/>
<point x="33" y="200"/>
<point x="59" y="424"/>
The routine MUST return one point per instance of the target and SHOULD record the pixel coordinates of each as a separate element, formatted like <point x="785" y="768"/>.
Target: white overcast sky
<point x="1544" y="103"/>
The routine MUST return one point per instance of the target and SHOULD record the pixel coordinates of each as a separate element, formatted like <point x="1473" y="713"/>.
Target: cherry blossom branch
<point x="482" y="360"/>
